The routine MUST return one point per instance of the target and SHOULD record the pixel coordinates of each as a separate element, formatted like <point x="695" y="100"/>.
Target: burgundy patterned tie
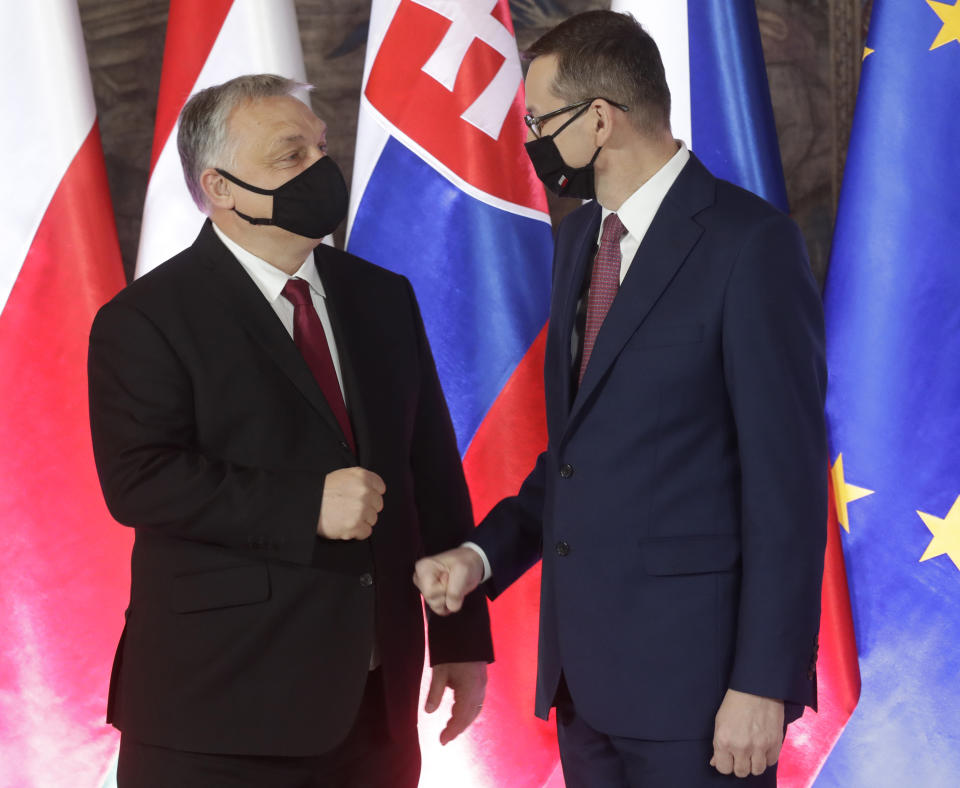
<point x="310" y="338"/>
<point x="604" y="283"/>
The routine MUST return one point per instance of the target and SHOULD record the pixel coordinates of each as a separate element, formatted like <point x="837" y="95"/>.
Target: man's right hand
<point x="446" y="578"/>
<point x="352" y="499"/>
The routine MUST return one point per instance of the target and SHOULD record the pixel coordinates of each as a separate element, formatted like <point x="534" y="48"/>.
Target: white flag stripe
<point x="381" y="15"/>
<point x="667" y="24"/>
<point x="372" y="136"/>
<point x="42" y="90"/>
<point x="258" y="36"/>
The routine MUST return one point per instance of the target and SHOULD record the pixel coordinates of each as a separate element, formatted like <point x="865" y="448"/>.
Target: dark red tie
<point x="311" y="339"/>
<point x="604" y="283"/>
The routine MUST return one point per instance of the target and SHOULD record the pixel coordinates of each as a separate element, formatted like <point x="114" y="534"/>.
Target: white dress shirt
<point x="270" y="280"/>
<point x="637" y="211"/>
<point x="636" y="214"/>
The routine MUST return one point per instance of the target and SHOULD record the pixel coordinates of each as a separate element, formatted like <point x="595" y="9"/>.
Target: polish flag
<point x="207" y="44"/>
<point x="64" y="561"/>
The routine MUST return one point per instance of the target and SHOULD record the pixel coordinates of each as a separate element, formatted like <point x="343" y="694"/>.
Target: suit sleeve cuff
<point x="483" y="557"/>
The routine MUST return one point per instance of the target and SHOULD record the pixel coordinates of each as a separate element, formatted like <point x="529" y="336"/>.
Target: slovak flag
<point x="443" y="192"/>
<point x="207" y="44"/>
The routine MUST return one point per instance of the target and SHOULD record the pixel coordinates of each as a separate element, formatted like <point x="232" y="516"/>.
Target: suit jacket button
<point x="566" y="471"/>
<point x="562" y="548"/>
<point x="344" y="445"/>
<point x="366" y="580"/>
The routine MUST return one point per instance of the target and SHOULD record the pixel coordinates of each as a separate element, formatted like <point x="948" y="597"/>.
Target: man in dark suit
<point x="680" y="506"/>
<point x="267" y="416"/>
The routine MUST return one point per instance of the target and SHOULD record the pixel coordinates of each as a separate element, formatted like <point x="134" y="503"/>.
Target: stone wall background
<point x="812" y="49"/>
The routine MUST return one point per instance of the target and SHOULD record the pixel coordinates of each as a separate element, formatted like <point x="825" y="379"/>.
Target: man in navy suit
<point x="680" y="506"/>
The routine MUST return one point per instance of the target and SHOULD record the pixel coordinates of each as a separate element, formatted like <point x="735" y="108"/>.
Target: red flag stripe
<point x="511" y="436"/>
<point x="64" y="559"/>
<point x="810" y="739"/>
<point x="192" y="29"/>
<point x="519" y="749"/>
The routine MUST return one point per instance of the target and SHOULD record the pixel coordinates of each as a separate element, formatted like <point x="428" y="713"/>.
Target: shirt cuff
<point x="483" y="557"/>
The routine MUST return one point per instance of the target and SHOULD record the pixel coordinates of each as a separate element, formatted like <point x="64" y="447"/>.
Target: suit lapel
<point x="570" y="280"/>
<point x="230" y="284"/>
<point x="350" y="335"/>
<point x="663" y="251"/>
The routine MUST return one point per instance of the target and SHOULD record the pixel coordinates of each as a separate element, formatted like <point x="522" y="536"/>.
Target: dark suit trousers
<point x="592" y="759"/>
<point x="369" y="757"/>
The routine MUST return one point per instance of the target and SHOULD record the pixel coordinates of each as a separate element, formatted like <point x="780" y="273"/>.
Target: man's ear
<point x="217" y="189"/>
<point x="601" y="115"/>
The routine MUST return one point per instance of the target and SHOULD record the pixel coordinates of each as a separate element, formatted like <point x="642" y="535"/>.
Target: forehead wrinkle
<point x="315" y="125"/>
<point x="289" y="139"/>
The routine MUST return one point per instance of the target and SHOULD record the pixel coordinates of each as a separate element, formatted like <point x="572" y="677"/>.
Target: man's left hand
<point x="748" y="734"/>
<point x="468" y="680"/>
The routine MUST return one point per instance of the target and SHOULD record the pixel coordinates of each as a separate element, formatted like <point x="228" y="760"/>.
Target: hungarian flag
<point x="443" y="192"/>
<point x="64" y="561"/>
<point x="207" y="44"/>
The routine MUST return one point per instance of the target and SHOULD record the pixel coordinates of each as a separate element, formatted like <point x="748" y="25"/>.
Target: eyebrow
<point x="283" y="142"/>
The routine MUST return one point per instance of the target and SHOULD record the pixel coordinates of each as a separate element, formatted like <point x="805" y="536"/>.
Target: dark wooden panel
<point x="811" y="47"/>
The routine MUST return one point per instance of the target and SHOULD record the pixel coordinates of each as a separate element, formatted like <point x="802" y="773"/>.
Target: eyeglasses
<point x="535" y="123"/>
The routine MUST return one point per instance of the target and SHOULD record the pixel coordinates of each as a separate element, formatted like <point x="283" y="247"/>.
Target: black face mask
<point x="311" y="204"/>
<point x="558" y="176"/>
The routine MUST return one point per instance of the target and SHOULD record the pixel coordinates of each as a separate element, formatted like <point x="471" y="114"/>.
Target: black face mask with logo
<point x="558" y="176"/>
<point x="310" y="204"/>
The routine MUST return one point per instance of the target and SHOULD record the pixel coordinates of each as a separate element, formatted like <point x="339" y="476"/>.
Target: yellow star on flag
<point x="844" y="493"/>
<point x="946" y="534"/>
<point x="867" y="52"/>
<point x="950" y="16"/>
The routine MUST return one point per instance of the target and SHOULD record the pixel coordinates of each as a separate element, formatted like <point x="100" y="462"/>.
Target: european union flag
<point x="893" y="327"/>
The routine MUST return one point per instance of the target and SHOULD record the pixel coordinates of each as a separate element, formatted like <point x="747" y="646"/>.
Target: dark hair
<point x="603" y="53"/>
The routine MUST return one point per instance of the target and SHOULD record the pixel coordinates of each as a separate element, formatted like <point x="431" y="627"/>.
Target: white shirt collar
<point x="268" y="278"/>
<point x="639" y="208"/>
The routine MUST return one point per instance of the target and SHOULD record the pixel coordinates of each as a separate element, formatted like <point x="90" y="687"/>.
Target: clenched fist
<point x="352" y="499"/>
<point x="446" y="578"/>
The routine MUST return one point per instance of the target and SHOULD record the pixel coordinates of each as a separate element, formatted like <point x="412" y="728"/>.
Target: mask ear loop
<point x="249" y="188"/>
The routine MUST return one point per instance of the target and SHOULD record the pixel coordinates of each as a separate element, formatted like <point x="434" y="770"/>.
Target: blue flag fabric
<point x="732" y="125"/>
<point x="451" y="200"/>
<point x="721" y="105"/>
<point x="893" y="328"/>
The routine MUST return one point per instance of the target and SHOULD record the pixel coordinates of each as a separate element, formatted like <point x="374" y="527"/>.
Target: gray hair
<point x="202" y="139"/>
